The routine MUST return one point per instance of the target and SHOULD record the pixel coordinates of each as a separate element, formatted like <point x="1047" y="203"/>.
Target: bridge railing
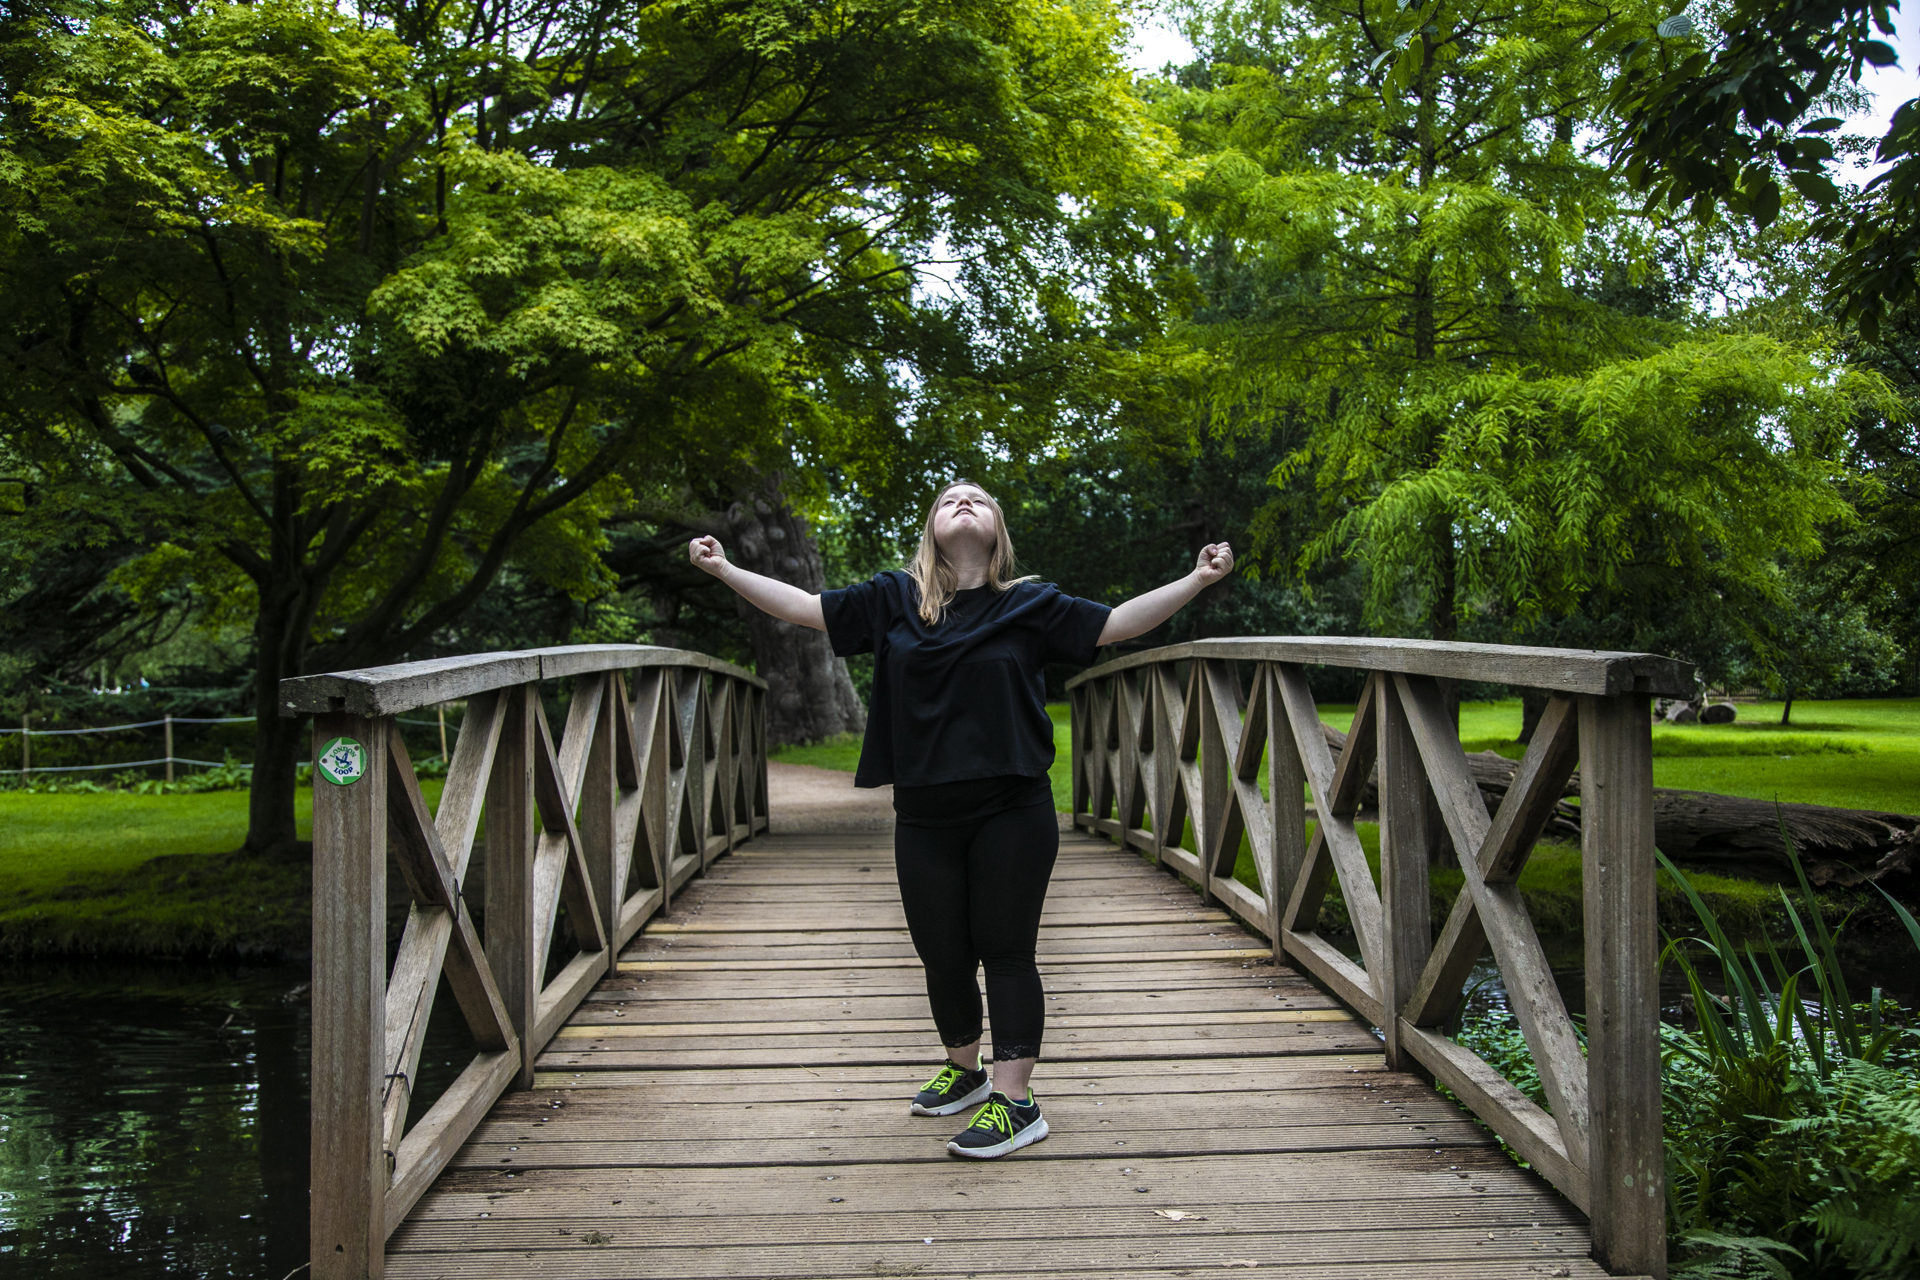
<point x="1168" y="747"/>
<point x="659" y="769"/>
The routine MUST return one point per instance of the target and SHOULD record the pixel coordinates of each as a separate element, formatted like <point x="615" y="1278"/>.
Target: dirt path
<point x="803" y="798"/>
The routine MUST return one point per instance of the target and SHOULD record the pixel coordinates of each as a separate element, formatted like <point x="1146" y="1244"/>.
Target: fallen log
<point x="1727" y="833"/>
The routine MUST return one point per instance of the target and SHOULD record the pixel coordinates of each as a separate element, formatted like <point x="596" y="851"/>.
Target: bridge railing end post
<point x="1628" y="1166"/>
<point x="350" y="1168"/>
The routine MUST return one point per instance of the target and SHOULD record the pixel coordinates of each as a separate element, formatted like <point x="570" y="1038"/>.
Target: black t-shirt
<point x="965" y="699"/>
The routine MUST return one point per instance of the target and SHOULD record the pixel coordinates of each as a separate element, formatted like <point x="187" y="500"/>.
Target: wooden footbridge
<point x="704" y="1070"/>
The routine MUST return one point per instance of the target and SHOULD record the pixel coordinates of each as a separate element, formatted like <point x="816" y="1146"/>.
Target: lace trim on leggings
<point x="1014" y="1052"/>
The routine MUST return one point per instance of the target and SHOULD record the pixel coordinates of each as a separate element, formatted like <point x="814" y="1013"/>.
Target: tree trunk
<point x="279" y="743"/>
<point x="1787" y="710"/>
<point x="809" y="694"/>
<point x="1533" y="705"/>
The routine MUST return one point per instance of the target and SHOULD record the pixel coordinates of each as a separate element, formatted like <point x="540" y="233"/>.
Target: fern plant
<point x="1792" y="1114"/>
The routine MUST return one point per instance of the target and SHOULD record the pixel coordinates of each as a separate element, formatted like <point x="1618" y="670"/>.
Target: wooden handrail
<point x="660" y="768"/>
<point x="408" y="686"/>
<point x="1174" y="740"/>
<point x="1595" y="671"/>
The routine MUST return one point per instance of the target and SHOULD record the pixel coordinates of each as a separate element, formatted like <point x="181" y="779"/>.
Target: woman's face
<point x="962" y="518"/>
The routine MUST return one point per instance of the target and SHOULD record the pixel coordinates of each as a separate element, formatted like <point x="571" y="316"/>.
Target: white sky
<point x="1892" y="86"/>
<point x="1156" y="43"/>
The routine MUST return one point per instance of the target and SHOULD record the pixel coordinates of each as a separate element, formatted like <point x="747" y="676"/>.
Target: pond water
<point x="153" y="1119"/>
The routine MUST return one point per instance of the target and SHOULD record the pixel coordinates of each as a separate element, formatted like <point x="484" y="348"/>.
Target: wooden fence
<point x="1168" y="747"/>
<point x="660" y="769"/>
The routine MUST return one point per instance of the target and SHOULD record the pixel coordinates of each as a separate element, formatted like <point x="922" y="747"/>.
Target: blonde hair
<point x="935" y="577"/>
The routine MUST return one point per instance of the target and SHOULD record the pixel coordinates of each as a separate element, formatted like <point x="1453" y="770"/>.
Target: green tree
<point x="1431" y="278"/>
<point x="1823" y="646"/>
<point x="339" y="315"/>
<point x="1714" y="120"/>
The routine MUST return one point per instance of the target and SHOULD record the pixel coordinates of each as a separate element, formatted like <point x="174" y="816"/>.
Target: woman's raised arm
<point x="1146" y="611"/>
<point x="769" y="595"/>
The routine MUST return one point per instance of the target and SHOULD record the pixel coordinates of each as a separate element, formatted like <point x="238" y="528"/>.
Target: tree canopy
<point x="1424" y="263"/>
<point x="351" y="335"/>
<point x="331" y="316"/>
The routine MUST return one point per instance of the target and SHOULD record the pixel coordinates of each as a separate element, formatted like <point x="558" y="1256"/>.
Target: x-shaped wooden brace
<point x="559" y="860"/>
<point x="1491" y="910"/>
<point x="1336" y="847"/>
<point x="1240" y="736"/>
<point x="433" y="853"/>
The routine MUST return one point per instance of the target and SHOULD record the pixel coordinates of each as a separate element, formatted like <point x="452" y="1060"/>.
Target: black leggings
<point x="973" y="895"/>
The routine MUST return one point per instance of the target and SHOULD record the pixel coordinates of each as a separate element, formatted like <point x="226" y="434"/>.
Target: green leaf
<point x="1815" y="187"/>
<point x="1903" y="915"/>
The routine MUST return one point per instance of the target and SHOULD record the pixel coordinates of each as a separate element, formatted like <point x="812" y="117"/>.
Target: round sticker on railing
<point x="342" y="761"/>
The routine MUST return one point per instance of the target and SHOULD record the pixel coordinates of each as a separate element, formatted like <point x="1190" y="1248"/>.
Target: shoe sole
<point x="973" y="1099"/>
<point x="1026" y="1137"/>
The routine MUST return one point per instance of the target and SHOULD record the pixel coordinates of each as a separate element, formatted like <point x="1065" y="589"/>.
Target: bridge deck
<point x="733" y="1103"/>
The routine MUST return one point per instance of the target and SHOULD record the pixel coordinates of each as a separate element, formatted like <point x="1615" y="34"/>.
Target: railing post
<point x="1407" y="929"/>
<point x="1286" y="799"/>
<point x="510" y="848"/>
<point x="1077" y="750"/>
<point x="599" y="794"/>
<point x="1628" y="1172"/>
<point x="349" y="1171"/>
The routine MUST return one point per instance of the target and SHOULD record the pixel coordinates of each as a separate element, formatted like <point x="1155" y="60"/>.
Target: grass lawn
<point x="45" y="840"/>
<point x="1852" y="754"/>
<point x="109" y="872"/>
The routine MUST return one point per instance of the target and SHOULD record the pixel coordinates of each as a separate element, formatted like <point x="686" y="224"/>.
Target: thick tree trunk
<point x="279" y="744"/>
<point x="809" y="695"/>
<point x="1732" y="833"/>
<point x="1533" y="705"/>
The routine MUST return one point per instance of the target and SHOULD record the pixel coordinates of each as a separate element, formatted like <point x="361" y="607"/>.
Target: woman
<point x="958" y="725"/>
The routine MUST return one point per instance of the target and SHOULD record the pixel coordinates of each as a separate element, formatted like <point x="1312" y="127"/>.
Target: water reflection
<point x="153" y="1118"/>
<point x="153" y="1121"/>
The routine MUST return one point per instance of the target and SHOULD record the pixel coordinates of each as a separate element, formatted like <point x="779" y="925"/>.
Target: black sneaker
<point x="952" y="1091"/>
<point x="1001" y="1126"/>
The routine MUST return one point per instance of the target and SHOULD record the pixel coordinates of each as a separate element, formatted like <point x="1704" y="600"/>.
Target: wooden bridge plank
<point x="825" y="1150"/>
<point x="1112" y="1114"/>
<point x="1145" y="980"/>
<point x="1409" y="1252"/>
<point x="731" y="1102"/>
<point x="1256" y="1019"/>
<point x="655" y="1007"/>
<point x="1299" y="1178"/>
<point x="1126" y="1217"/>
<point x="693" y="1084"/>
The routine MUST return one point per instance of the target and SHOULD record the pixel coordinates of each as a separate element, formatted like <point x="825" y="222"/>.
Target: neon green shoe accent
<point x="994" y="1117"/>
<point x="943" y="1079"/>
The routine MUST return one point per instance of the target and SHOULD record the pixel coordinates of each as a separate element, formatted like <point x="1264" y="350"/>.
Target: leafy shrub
<point x="1792" y="1114"/>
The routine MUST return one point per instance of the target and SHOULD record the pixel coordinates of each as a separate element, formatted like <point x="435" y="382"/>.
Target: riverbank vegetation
<point x="1790" y="1104"/>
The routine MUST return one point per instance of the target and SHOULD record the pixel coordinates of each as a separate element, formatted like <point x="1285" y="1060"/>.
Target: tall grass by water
<point x="1791" y="1107"/>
